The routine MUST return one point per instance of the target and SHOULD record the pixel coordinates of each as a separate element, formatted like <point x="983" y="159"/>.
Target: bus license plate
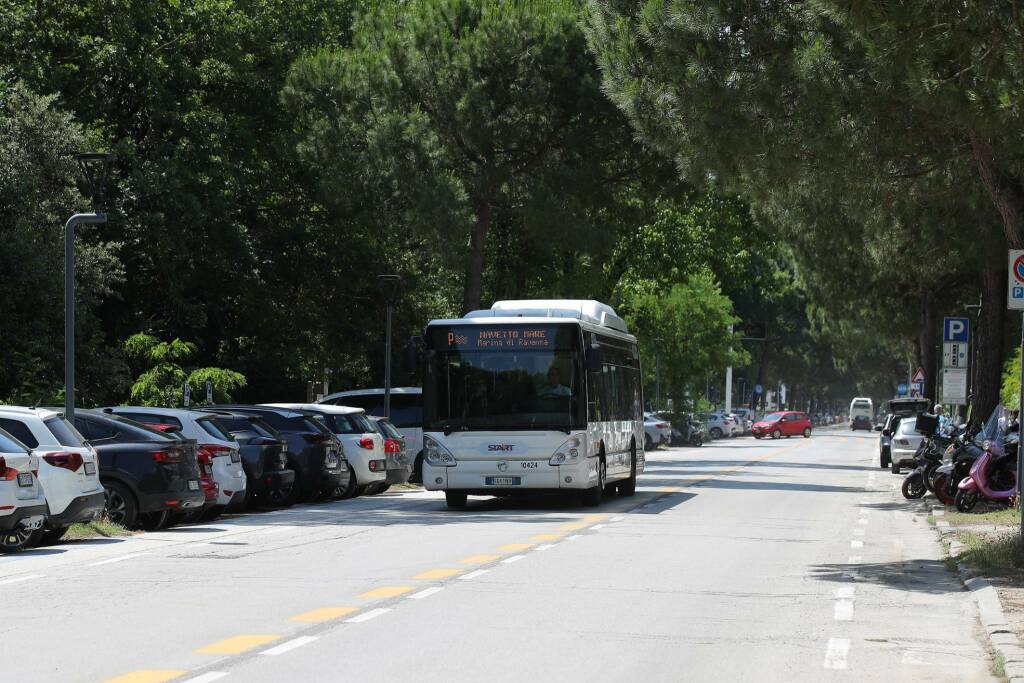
<point x="502" y="481"/>
<point x="24" y="479"/>
<point x="193" y="485"/>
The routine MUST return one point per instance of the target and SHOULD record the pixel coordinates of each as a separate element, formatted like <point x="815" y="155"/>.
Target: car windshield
<point x="66" y="434"/>
<point x="907" y="426"/>
<point x="8" y="444"/>
<point x="480" y="383"/>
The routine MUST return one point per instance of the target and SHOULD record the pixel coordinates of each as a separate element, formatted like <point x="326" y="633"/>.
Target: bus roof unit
<point x="587" y="310"/>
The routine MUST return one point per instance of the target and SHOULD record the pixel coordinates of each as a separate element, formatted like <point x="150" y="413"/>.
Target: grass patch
<point x="100" y="529"/>
<point x="1003" y="516"/>
<point x="1001" y="555"/>
<point x="999" y="666"/>
<point x="405" y="486"/>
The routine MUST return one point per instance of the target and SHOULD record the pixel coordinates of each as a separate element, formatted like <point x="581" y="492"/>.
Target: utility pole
<point x="94" y="170"/>
<point x="728" y="382"/>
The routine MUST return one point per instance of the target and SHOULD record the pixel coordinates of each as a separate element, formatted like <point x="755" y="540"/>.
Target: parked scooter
<point x="993" y="476"/>
<point x="960" y="456"/>
<point x="928" y="458"/>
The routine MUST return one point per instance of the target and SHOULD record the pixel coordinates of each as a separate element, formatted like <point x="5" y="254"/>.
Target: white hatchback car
<point x="68" y="467"/>
<point x="904" y="444"/>
<point x="363" y="445"/>
<point x="22" y="503"/>
<point x="217" y="450"/>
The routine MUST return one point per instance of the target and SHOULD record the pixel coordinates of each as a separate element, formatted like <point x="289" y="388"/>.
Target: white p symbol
<point x="956" y="328"/>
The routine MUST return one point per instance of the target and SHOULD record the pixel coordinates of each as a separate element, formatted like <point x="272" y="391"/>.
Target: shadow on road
<point x="921" y="576"/>
<point x="739" y="485"/>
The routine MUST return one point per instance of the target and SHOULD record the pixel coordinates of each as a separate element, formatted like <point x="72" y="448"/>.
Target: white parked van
<point x="406" y="415"/>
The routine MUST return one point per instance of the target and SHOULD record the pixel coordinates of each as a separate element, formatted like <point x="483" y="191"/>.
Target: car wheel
<point x="807" y="432"/>
<point x="716" y="433"/>
<point x="52" y="536"/>
<point x="592" y="496"/>
<point x="456" y="500"/>
<point x="628" y="487"/>
<point x="648" y="443"/>
<point x="154" y="521"/>
<point x="776" y="434"/>
<point x="121" y="507"/>
<point x="344" y="492"/>
<point x="16" y="539"/>
<point x="895" y="467"/>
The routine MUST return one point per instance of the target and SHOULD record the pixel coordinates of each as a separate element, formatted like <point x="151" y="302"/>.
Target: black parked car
<point x="147" y="474"/>
<point x="313" y="452"/>
<point x="264" y="456"/>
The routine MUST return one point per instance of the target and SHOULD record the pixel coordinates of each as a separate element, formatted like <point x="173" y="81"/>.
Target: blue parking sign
<point x="956" y="329"/>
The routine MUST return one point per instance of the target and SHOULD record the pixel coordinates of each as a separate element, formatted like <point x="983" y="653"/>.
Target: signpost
<point x="901" y="389"/>
<point x="209" y="392"/>
<point x="954" y="386"/>
<point x="188" y="394"/>
<point x="917" y="384"/>
<point x="1015" y="302"/>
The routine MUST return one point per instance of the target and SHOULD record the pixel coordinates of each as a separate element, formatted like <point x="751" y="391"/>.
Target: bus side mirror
<point x="594" y="358"/>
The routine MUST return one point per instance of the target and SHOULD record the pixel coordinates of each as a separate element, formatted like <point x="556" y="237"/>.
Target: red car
<point x="785" y="423"/>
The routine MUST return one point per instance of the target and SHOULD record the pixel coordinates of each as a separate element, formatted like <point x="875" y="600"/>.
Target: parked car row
<point x="152" y="467"/>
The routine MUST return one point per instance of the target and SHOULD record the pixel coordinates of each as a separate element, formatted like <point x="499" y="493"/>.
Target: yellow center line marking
<point x="387" y="592"/>
<point x="573" y="526"/>
<point x="546" y="537"/>
<point x="148" y="676"/>
<point x="438" y="573"/>
<point x="669" y="489"/>
<point x="324" y="614"/>
<point x="237" y="644"/>
<point x="479" y="559"/>
<point x="515" y="547"/>
<point x="595" y="518"/>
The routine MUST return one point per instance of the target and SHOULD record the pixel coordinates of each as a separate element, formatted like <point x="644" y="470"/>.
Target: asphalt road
<point x="791" y="560"/>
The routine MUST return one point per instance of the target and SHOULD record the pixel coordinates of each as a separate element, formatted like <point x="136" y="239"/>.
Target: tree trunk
<point x="928" y="341"/>
<point x="1005" y="190"/>
<point x="475" y="266"/>
<point x="990" y="352"/>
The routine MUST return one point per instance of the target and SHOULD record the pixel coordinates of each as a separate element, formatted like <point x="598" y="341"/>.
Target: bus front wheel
<point x="592" y="496"/>
<point x="456" y="500"/>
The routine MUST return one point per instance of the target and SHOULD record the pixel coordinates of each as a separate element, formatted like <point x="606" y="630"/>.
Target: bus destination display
<point x="517" y="337"/>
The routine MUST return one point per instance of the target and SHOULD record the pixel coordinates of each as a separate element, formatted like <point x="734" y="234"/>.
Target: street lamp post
<point x="389" y="286"/>
<point x="94" y="169"/>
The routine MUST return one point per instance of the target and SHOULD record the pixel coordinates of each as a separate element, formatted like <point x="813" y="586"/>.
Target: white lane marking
<point x="859" y="532"/>
<point x="19" y="579"/>
<point x="597" y="526"/>
<point x="514" y="558"/>
<point x="617" y="518"/>
<point x="546" y="546"/>
<point x="366" y="616"/>
<point x="573" y="537"/>
<point x="856" y="544"/>
<point x="853" y="559"/>
<point x="426" y="593"/>
<point x="844" y="610"/>
<point x="845" y="592"/>
<point x="862" y="520"/>
<point x="473" y="575"/>
<point x="835" y="656"/>
<point x="290" y="645"/>
<point x="207" y="677"/>
<point x="116" y="559"/>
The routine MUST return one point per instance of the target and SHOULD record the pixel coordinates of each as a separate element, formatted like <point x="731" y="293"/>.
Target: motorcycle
<point x="960" y="456"/>
<point x="993" y="476"/>
<point x="928" y="457"/>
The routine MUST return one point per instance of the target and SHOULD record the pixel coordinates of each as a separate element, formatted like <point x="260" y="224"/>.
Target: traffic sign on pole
<point x="956" y="330"/>
<point x="1015" y="293"/>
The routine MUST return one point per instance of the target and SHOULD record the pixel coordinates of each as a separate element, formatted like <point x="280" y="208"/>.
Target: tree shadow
<point x="920" y="575"/>
<point x="740" y="485"/>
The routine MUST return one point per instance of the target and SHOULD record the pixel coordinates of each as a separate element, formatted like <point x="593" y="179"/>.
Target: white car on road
<point x="22" y="503"/>
<point x="68" y="468"/>
<point x="363" y="445"/>
<point x="217" y="450"/>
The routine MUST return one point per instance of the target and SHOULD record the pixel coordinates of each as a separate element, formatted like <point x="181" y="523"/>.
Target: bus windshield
<point x="504" y="377"/>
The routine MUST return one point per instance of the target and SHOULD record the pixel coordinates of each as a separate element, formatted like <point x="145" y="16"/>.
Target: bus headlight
<point x="437" y="455"/>
<point x="568" y="452"/>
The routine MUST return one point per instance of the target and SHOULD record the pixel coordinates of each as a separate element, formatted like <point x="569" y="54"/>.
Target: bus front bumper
<point x="482" y="477"/>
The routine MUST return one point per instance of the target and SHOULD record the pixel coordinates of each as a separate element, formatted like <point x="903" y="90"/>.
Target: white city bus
<point x="532" y="396"/>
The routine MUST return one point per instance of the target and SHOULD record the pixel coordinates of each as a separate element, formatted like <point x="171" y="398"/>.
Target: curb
<point x="1001" y="638"/>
